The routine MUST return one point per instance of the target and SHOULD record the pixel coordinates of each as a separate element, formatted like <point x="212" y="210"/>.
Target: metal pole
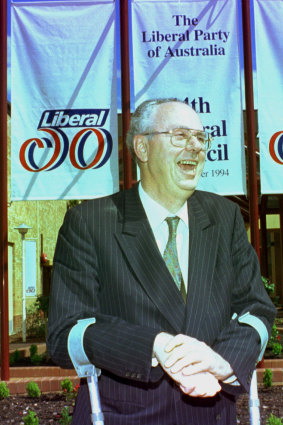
<point x="264" y="254"/>
<point x="125" y="78"/>
<point x="252" y="176"/>
<point x="4" y="296"/>
<point x="254" y="401"/>
<point x="280" y="198"/>
<point x="24" y="333"/>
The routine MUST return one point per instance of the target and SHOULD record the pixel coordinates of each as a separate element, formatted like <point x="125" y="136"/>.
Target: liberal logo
<point x="276" y="147"/>
<point x="73" y="118"/>
<point x="89" y="140"/>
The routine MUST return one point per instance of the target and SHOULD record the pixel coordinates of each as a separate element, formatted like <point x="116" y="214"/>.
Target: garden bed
<point x="48" y="407"/>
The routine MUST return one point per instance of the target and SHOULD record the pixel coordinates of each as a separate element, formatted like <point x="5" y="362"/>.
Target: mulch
<point x="48" y="407"/>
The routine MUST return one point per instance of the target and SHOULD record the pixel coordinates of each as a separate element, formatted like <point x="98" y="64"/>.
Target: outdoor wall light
<point x="22" y="229"/>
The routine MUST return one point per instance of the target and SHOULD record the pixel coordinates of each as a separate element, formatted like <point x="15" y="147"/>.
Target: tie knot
<point x="172" y="224"/>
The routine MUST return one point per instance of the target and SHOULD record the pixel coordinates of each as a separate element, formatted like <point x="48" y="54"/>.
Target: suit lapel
<point x="138" y="244"/>
<point x="203" y="247"/>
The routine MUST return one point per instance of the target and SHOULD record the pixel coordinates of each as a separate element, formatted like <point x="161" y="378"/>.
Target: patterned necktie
<point x="170" y="255"/>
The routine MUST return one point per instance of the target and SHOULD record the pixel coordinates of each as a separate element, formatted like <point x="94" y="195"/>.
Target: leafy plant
<point x="65" y="418"/>
<point x="35" y="322"/>
<point x="274" y="420"/>
<point x="274" y="337"/>
<point x="274" y="341"/>
<point x="37" y="315"/>
<point x="33" y="350"/>
<point x="31" y="419"/>
<point x="67" y="386"/>
<point x="14" y="357"/>
<point x="42" y="303"/>
<point x="4" y="390"/>
<point x="33" y="389"/>
<point x="276" y="348"/>
<point x="270" y="287"/>
<point x="68" y="390"/>
<point x="34" y="357"/>
<point x="267" y="378"/>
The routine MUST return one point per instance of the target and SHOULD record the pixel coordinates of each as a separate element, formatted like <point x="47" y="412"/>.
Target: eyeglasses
<point x="183" y="137"/>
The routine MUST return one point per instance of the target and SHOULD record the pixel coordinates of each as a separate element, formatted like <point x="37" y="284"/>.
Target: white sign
<point x="190" y="50"/>
<point x="64" y="118"/>
<point x="269" y="54"/>
<point x="30" y="268"/>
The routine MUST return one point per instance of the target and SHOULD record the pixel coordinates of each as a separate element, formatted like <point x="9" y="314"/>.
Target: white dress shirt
<point x="156" y="215"/>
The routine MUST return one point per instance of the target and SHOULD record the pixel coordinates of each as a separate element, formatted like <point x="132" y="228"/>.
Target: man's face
<point x="172" y="172"/>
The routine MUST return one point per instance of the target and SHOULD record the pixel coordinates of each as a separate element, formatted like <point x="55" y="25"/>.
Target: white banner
<point x="190" y="50"/>
<point x="64" y="113"/>
<point x="269" y="60"/>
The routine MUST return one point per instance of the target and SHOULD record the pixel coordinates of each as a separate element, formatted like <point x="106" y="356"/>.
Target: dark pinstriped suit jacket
<point x="107" y="265"/>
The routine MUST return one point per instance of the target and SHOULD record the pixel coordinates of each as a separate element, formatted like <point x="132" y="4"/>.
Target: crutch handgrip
<point x="84" y="368"/>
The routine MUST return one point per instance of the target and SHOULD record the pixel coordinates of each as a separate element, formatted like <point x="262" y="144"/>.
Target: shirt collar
<point x="156" y="213"/>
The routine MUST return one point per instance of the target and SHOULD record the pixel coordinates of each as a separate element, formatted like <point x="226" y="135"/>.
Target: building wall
<point x="45" y="219"/>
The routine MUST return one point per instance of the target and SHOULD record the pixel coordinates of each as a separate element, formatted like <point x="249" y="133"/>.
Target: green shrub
<point x="270" y="287"/>
<point x="276" y="348"/>
<point x="273" y="342"/>
<point x="14" y="357"/>
<point x="33" y="389"/>
<point x="42" y="303"/>
<point x="33" y="349"/>
<point x="35" y="322"/>
<point x="267" y="378"/>
<point x="273" y="420"/>
<point x="67" y="386"/>
<point x="65" y="418"/>
<point x="274" y="337"/>
<point x="35" y="358"/>
<point x="4" y="390"/>
<point x="30" y="419"/>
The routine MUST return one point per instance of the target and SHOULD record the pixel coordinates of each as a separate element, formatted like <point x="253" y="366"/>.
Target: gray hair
<point x="142" y="119"/>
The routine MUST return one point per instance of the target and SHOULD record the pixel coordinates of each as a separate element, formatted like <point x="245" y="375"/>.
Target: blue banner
<point x="64" y="97"/>
<point x="190" y="50"/>
<point x="269" y="57"/>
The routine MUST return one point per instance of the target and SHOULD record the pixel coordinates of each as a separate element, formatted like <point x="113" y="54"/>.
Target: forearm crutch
<point x="254" y="401"/>
<point x="260" y="327"/>
<point x="84" y="368"/>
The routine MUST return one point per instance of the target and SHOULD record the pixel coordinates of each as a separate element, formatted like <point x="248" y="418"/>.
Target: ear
<point x="141" y="148"/>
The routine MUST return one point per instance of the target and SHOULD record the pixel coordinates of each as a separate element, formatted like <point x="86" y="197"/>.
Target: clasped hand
<point x="192" y="364"/>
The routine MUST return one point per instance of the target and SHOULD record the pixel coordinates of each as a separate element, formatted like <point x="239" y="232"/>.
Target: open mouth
<point x="187" y="164"/>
